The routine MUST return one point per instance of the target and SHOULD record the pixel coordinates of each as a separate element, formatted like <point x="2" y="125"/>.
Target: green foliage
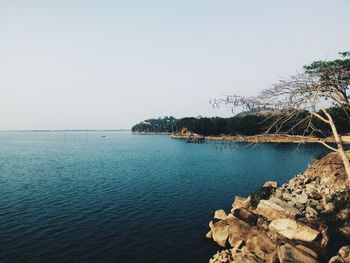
<point x="166" y="124"/>
<point x="247" y="124"/>
<point x="332" y="74"/>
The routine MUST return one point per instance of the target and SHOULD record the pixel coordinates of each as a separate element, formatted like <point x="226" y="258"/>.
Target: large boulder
<point x="235" y="230"/>
<point x="290" y="254"/>
<point x="291" y="229"/>
<point x="274" y="208"/>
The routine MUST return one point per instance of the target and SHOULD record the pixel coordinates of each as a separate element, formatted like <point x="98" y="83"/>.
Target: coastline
<point x="273" y="138"/>
<point x="307" y="219"/>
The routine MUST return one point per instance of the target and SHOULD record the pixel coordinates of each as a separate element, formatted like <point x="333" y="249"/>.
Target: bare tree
<point x="320" y="86"/>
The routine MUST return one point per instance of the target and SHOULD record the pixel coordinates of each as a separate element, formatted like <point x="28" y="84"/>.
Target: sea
<point x="114" y="196"/>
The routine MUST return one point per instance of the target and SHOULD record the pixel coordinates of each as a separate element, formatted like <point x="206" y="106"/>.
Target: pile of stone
<point x="304" y="220"/>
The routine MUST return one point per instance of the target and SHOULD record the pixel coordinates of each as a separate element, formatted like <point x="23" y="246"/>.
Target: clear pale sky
<point x="109" y="64"/>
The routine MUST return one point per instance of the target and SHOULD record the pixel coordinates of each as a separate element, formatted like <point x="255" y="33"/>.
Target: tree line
<point x="248" y="123"/>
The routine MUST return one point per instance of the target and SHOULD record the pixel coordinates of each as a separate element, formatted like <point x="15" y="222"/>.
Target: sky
<point x="107" y="64"/>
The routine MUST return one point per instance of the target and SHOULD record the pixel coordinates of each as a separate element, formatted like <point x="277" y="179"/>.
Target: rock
<point x="238" y="245"/>
<point x="344" y="252"/>
<point x="234" y="255"/>
<point x="220" y="214"/>
<point x="224" y="256"/>
<point x="275" y="208"/>
<point x="307" y="250"/>
<point x="324" y="234"/>
<point x="287" y="196"/>
<point x="326" y="199"/>
<point x="211" y="224"/>
<point x="343" y="255"/>
<point x="270" y="184"/>
<point x="246" y="258"/>
<point x="345" y="230"/>
<point x="246" y="216"/>
<point x="230" y="215"/>
<point x="278" y="193"/>
<point x="240" y="202"/>
<point x="273" y="257"/>
<point x="307" y="181"/>
<point x="301" y="199"/>
<point x="290" y="229"/>
<point x="336" y="259"/>
<point x="220" y="233"/>
<point x="343" y="214"/>
<point x="262" y="223"/>
<point x="329" y="208"/>
<point x="316" y="196"/>
<point x="312" y="212"/>
<point x="236" y="230"/>
<point x="209" y="235"/>
<point x="294" y="224"/>
<point x="288" y="254"/>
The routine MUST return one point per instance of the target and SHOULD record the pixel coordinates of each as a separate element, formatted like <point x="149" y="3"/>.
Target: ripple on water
<point x="74" y="197"/>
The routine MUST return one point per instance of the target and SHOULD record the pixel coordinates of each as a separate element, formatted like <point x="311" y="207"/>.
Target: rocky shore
<point x="304" y="220"/>
<point x="276" y="138"/>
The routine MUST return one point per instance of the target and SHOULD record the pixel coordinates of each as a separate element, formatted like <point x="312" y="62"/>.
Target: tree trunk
<point x="339" y="143"/>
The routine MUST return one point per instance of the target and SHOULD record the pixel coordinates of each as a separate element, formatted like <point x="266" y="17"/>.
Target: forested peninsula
<point x="254" y="122"/>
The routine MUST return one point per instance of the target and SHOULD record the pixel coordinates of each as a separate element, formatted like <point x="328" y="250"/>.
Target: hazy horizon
<point x="111" y="64"/>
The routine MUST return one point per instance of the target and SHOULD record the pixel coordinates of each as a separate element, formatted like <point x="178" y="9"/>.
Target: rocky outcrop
<point x="291" y="229"/>
<point x="299" y="221"/>
<point x="276" y="208"/>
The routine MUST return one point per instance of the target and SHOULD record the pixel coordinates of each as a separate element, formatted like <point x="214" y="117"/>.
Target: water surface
<point x="82" y="197"/>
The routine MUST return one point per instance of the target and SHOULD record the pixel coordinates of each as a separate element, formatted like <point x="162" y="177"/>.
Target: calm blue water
<point x="79" y="197"/>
